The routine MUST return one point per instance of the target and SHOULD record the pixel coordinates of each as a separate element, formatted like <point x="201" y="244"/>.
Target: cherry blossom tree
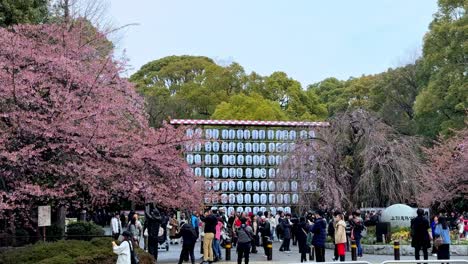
<point x="74" y="133"/>
<point x="445" y="180"/>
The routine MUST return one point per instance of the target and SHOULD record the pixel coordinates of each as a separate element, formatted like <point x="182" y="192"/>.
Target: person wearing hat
<point x="124" y="249"/>
<point x="319" y="229"/>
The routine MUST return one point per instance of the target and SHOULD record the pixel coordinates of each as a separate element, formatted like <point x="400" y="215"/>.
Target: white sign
<point x="44" y="216"/>
<point x="398" y="215"/>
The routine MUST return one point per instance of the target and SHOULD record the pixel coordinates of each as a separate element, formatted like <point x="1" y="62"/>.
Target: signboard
<point x="44" y="216"/>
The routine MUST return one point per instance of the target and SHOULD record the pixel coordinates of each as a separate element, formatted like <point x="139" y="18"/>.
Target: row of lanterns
<point x="246" y="134"/>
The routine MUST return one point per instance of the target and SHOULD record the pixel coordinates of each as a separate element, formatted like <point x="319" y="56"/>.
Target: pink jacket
<point x="218" y="230"/>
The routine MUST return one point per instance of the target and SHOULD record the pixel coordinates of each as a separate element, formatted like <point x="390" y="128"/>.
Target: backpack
<point x="310" y="237"/>
<point x="133" y="255"/>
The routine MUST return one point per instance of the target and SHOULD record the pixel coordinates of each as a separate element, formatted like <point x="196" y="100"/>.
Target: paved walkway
<point x="172" y="256"/>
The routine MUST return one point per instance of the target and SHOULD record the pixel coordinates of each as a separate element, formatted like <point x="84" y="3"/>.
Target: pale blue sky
<point x="308" y="39"/>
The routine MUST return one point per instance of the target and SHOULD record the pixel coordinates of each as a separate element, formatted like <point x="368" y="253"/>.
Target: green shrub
<point x="83" y="231"/>
<point x="96" y="251"/>
<point x="54" y="233"/>
<point x="22" y="237"/>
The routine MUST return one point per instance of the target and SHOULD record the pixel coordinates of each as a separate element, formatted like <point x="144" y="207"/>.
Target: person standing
<point x="132" y="228"/>
<point x="116" y="225"/>
<point x="210" y="230"/>
<point x="255" y="228"/>
<point x="153" y="221"/>
<point x="331" y="234"/>
<point x="356" y="231"/>
<point x="244" y="241"/>
<point x="195" y="222"/>
<point x="272" y="221"/>
<point x="286" y="233"/>
<point x="319" y="229"/>
<point x="434" y="223"/>
<point x="124" y="249"/>
<point x="420" y="238"/>
<point x="216" y="241"/>
<point x="189" y="237"/>
<point x="302" y="231"/>
<point x="174" y="229"/>
<point x="265" y="230"/>
<point x="340" y="236"/>
<point x="442" y="231"/>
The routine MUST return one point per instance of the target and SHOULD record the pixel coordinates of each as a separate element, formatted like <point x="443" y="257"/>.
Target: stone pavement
<point x="172" y="256"/>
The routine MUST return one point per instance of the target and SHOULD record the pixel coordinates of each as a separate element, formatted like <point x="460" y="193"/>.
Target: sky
<point x="310" y="40"/>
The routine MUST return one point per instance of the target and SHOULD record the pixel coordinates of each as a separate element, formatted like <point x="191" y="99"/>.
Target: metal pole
<point x="353" y="250"/>
<point x="269" y="246"/>
<point x="228" y="249"/>
<point x="396" y="250"/>
<point x="43" y="230"/>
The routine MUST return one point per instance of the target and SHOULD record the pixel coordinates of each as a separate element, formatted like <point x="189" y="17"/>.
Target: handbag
<point x="438" y="242"/>
<point x="309" y="238"/>
<point x="133" y="255"/>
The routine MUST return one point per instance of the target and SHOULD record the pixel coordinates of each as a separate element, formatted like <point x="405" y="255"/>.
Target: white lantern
<point x="215" y="134"/>
<point x="240" y="134"/>
<point x="240" y="160"/>
<point x="263" y="173"/>
<point x="295" y="198"/>
<point x="240" y="198"/>
<point x="256" y="160"/>
<point x="311" y="134"/>
<point x="271" y="173"/>
<point x="287" y="209"/>
<point x="207" y="159"/>
<point x="271" y="134"/>
<point x="224" y="147"/>
<point x="216" y="185"/>
<point x="248" y="173"/>
<point x="271" y="160"/>
<point x="263" y="198"/>
<point x="271" y="147"/>
<point x="261" y="134"/>
<point x="262" y="160"/>
<point x="256" y="173"/>
<point x="294" y="186"/>
<point x="246" y="134"/>
<point x="224" y="186"/>
<point x="197" y="159"/>
<point x="256" y="198"/>
<point x="208" y="133"/>
<point x="273" y="210"/>
<point x="248" y="186"/>
<point x="232" y="134"/>
<point x="198" y="172"/>
<point x="232" y="147"/>
<point x="247" y="198"/>
<point x="224" y="134"/>
<point x="207" y="172"/>
<point x="248" y="147"/>
<point x="197" y="147"/>
<point x="264" y="186"/>
<point x="279" y="135"/>
<point x="240" y="147"/>
<point x="278" y="160"/>
<point x="248" y="160"/>
<point x="225" y="172"/>
<point x="279" y="186"/>
<point x="256" y="209"/>
<point x="239" y="173"/>
<point x="216" y="172"/>
<point x="240" y="209"/>
<point x="256" y="186"/>
<point x="207" y="199"/>
<point x="215" y="159"/>
<point x="303" y="134"/>
<point x="292" y="135"/>
<point x="232" y="186"/>
<point x="232" y="173"/>
<point x="271" y="199"/>
<point x="279" y="147"/>
<point x="255" y="134"/>
<point x="224" y="198"/>
<point x="271" y="186"/>
<point x="208" y="146"/>
<point x="208" y="185"/>
<point x="190" y="159"/>
<point x="215" y="146"/>
<point x="305" y="186"/>
<point x="263" y="147"/>
<point x="286" y="186"/>
<point x="232" y="198"/>
<point x="284" y="135"/>
<point x="225" y="159"/>
<point x="255" y="147"/>
<point x="279" y="198"/>
<point x="240" y="186"/>
<point x="287" y="198"/>
<point x="189" y="133"/>
<point x="280" y="209"/>
<point x="230" y="210"/>
<point x="232" y="160"/>
<point x="248" y="209"/>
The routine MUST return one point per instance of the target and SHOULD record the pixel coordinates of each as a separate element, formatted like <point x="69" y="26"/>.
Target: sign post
<point x="44" y="218"/>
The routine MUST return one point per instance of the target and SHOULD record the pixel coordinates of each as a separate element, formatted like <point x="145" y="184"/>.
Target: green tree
<point x="23" y="12"/>
<point x="249" y="107"/>
<point x="443" y="104"/>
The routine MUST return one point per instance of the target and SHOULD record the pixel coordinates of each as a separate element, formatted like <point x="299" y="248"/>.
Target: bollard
<point x="396" y="250"/>
<point x="311" y="253"/>
<point x="201" y="246"/>
<point x="353" y="250"/>
<point x="269" y="247"/>
<point x="228" y="249"/>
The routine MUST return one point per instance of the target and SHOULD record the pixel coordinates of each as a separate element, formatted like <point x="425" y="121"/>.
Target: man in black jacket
<point x="153" y="221"/>
<point x="420" y="238"/>
<point x="189" y="237"/>
<point x="265" y="230"/>
<point x="210" y="230"/>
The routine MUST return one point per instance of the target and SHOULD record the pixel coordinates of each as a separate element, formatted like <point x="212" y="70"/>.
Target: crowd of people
<point x="248" y="232"/>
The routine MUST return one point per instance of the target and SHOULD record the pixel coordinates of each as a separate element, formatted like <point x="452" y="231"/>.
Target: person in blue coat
<point x="319" y="229"/>
<point x="286" y="226"/>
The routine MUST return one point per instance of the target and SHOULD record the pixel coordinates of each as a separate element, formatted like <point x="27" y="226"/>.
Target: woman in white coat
<point x="123" y="250"/>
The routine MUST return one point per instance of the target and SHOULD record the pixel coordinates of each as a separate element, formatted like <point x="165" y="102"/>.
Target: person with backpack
<point x="189" y="237"/>
<point x="340" y="236"/>
<point x="302" y="233"/>
<point x="125" y="249"/>
<point x="245" y="238"/>
<point x="319" y="229"/>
